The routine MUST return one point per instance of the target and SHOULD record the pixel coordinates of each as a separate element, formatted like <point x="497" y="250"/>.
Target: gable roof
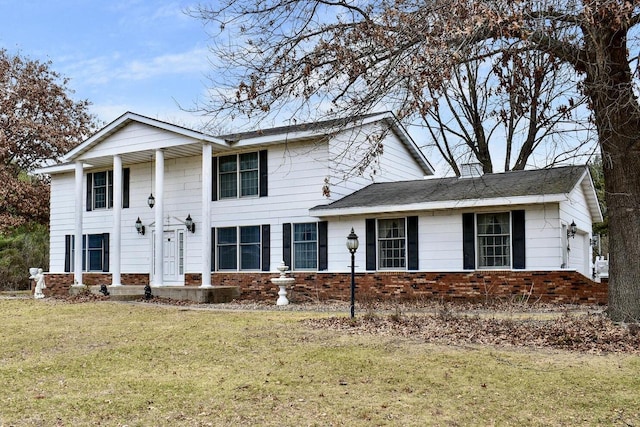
<point x="329" y="128"/>
<point x="508" y="188"/>
<point x="128" y="118"/>
<point x="193" y="139"/>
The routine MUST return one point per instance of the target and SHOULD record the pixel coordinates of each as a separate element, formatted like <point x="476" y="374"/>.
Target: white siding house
<point x="294" y="193"/>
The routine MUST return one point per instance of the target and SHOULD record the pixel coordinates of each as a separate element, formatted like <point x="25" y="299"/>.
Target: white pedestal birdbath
<point x="282" y="282"/>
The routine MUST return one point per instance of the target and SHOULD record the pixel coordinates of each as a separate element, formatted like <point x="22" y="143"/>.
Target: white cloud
<point x="104" y="70"/>
<point x="190" y="62"/>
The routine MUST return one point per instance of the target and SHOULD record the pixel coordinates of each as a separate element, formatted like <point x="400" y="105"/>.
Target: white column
<point x="117" y="222"/>
<point x="159" y="207"/>
<point x="77" y="259"/>
<point x="206" y="215"/>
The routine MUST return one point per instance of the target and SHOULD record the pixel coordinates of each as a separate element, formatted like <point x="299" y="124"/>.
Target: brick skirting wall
<point x="476" y="286"/>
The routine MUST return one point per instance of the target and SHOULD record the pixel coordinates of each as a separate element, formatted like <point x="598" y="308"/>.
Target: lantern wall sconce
<point x="190" y="224"/>
<point x="572" y="230"/>
<point x="139" y="227"/>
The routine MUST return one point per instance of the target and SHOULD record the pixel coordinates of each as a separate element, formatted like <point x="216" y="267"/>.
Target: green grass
<point x="114" y="364"/>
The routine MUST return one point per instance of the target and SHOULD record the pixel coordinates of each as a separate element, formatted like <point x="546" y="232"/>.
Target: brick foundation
<point x="477" y="286"/>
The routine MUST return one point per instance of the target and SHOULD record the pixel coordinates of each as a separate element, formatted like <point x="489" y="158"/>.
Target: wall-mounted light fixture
<point x="571" y="231"/>
<point x="139" y="227"/>
<point x="189" y="223"/>
<point x="151" y="201"/>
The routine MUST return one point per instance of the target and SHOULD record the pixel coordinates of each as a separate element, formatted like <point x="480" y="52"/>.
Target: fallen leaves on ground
<point x="592" y="333"/>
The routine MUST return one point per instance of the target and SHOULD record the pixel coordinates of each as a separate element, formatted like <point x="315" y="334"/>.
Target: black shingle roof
<point x="313" y="126"/>
<point x="508" y="184"/>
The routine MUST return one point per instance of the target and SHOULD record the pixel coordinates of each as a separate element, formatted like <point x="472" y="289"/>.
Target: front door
<point x="170" y="252"/>
<point x="173" y="254"/>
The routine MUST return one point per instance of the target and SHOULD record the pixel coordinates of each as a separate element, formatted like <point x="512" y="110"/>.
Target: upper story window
<point x="100" y="189"/>
<point x="392" y="243"/>
<point x="240" y="175"/>
<point x="494" y="240"/>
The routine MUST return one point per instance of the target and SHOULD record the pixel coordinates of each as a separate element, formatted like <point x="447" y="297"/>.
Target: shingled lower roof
<point x="512" y="184"/>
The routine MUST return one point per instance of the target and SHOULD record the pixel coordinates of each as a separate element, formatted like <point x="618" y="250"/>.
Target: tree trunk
<point x="617" y="117"/>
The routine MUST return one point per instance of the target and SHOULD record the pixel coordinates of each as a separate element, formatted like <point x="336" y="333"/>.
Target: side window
<point x="305" y="246"/>
<point x="392" y="243"/>
<point x="494" y="240"/>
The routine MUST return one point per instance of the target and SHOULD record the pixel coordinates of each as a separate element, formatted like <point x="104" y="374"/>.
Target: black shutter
<point x="370" y="243"/>
<point x="264" y="174"/>
<point x="286" y="244"/>
<point x="105" y="253"/>
<point x="213" y="249"/>
<point x="518" y="239"/>
<point x="84" y="251"/>
<point x="468" y="241"/>
<point x="126" y="175"/>
<point x="67" y="253"/>
<point x="412" y="243"/>
<point x="89" y="191"/>
<point x="110" y="189"/>
<point x="266" y="247"/>
<point x="214" y="179"/>
<point x="323" y="262"/>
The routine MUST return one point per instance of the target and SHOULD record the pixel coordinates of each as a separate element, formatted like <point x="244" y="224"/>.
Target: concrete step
<point x="212" y="295"/>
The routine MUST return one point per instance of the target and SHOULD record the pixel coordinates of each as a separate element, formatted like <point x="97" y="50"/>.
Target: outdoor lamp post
<point x="352" y="245"/>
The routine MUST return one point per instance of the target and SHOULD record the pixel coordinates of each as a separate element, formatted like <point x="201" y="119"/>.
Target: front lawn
<point x="116" y="364"/>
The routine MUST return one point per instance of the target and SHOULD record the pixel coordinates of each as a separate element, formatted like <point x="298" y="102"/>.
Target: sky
<point x="143" y="56"/>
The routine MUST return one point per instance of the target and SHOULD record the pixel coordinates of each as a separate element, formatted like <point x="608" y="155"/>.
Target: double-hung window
<point x="100" y="189"/>
<point x="494" y="240"/>
<point x="95" y="252"/>
<point x="392" y="242"/>
<point x="239" y="175"/>
<point x="305" y="246"/>
<point x="250" y="248"/>
<point x="239" y="246"/>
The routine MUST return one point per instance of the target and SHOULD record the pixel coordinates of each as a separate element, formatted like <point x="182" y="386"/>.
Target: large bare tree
<point x="352" y="56"/>
<point x="38" y="120"/>
<point x="508" y="120"/>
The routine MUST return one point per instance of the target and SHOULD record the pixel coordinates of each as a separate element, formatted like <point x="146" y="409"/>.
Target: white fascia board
<point x="592" y="198"/>
<point x="442" y="205"/>
<point x="62" y="168"/>
<point x="127" y="117"/>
